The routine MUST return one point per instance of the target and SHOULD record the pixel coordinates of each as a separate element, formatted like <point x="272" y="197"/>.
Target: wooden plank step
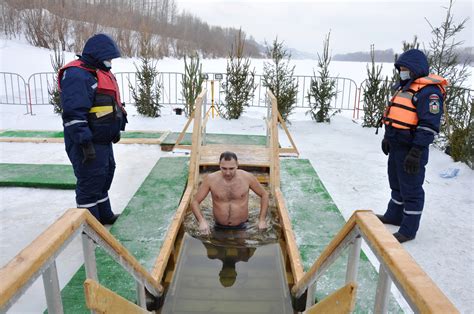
<point x="271" y="294"/>
<point x="237" y="306"/>
<point x="248" y="155"/>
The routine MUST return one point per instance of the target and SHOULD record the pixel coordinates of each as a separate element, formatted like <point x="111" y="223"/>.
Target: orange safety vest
<point x="401" y="112"/>
<point x="106" y="82"/>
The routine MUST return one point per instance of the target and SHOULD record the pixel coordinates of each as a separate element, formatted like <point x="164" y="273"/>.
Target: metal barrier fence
<point x="14" y="90"/>
<point x="40" y="86"/>
<point x="170" y="91"/>
<point x="346" y="91"/>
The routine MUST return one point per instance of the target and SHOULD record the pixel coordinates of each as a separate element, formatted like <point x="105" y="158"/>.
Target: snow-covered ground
<point x="346" y="156"/>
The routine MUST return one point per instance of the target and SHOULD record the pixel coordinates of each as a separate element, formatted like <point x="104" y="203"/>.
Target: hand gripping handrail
<point x="39" y="257"/>
<point x="396" y="265"/>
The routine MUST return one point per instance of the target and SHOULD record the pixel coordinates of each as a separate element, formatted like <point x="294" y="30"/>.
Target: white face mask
<point x="404" y="75"/>
<point x="108" y="64"/>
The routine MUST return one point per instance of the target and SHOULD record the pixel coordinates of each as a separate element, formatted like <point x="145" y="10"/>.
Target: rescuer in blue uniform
<point x="93" y="117"/>
<point x="412" y="120"/>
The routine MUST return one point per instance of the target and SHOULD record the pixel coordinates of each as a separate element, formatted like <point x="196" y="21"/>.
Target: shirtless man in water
<point x="229" y="189"/>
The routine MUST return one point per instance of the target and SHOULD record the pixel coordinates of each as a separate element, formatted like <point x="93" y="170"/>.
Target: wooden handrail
<point x="292" y="247"/>
<point x="416" y="286"/>
<point x="183" y="132"/>
<point x="25" y="264"/>
<point x="301" y="285"/>
<point x="15" y="274"/>
<point x="103" y="300"/>
<point x="167" y="246"/>
<point x="274" y="144"/>
<point x="196" y="140"/>
<point x="285" y="128"/>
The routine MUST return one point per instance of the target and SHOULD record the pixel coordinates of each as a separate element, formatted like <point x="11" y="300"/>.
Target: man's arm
<point x="77" y="96"/>
<point x="260" y="191"/>
<point x="201" y="194"/>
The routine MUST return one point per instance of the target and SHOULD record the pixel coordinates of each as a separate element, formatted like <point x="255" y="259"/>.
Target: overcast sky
<point x="354" y="25"/>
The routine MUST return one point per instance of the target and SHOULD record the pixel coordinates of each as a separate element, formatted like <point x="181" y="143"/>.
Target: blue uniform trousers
<point x="94" y="179"/>
<point x="408" y="197"/>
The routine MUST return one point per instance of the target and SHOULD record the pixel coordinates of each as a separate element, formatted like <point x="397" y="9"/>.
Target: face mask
<point x="404" y="75"/>
<point x="108" y="64"/>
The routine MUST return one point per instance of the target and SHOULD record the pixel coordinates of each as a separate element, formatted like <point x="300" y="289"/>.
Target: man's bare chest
<point x="229" y="192"/>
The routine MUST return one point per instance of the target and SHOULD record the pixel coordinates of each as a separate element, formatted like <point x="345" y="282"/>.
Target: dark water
<point x="224" y="275"/>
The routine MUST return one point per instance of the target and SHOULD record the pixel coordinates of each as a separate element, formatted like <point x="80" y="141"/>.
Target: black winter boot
<point x="401" y="238"/>
<point x="111" y="220"/>
<point x="385" y="220"/>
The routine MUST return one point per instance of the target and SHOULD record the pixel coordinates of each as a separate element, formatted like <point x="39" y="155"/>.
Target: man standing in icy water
<point x="229" y="189"/>
<point x="93" y="117"/>
<point x="412" y="119"/>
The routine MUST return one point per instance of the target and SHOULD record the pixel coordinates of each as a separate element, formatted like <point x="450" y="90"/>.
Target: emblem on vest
<point x="434" y="103"/>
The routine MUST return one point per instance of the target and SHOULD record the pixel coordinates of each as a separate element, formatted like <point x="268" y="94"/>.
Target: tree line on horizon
<point x="388" y="55"/>
<point x="67" y="24"/>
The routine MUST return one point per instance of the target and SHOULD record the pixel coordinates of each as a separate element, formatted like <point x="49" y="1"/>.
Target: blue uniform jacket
<point x="428" y="121"/>
<point x="78" y="88"/>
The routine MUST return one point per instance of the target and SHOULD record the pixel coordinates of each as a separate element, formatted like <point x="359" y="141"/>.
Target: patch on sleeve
<point x="434" y="103"/>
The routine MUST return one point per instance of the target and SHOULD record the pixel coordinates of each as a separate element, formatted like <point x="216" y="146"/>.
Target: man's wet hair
<point x="228" y="156"/>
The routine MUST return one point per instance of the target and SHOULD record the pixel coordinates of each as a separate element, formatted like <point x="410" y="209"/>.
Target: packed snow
<point x="346" y="156"/>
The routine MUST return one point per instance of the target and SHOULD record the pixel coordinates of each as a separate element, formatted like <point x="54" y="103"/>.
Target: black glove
<point x="116" y="139"/>
<point x="412" y="161"/>
<point x="385" y="146"/>
<point x="88" y="151"/>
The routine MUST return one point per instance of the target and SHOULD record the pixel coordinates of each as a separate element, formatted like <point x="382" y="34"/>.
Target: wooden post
<point x="196" y="144"/>
<point x="341" y="301"/>
<point x="283" y="124"/>
<point x="103" y="300"/>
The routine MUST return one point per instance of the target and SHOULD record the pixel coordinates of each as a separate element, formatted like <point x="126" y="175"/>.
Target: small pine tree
<point x="147" y="94"/>
<point x="443" y="57"/>
<point x="192" y="82"/>
<point x="278" y="77"/>
<point x="240" y="86"/>
<point x="376" y="93"/>
<point x="57" y="62"/>
<point x="462" y="139"/>
<point x="323" y="88"/>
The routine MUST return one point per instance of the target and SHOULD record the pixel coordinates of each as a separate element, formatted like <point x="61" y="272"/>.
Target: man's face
<point x="228" y="168"/>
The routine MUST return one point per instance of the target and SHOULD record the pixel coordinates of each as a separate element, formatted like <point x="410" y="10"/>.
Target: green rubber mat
<point x="215" y="138"/>
<point x="37" y="176"/>
<point x="316" y="220"/>
<point x="141" y="228"/>
<point x="59" y="134"/>
<point x="38" y="134"/>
